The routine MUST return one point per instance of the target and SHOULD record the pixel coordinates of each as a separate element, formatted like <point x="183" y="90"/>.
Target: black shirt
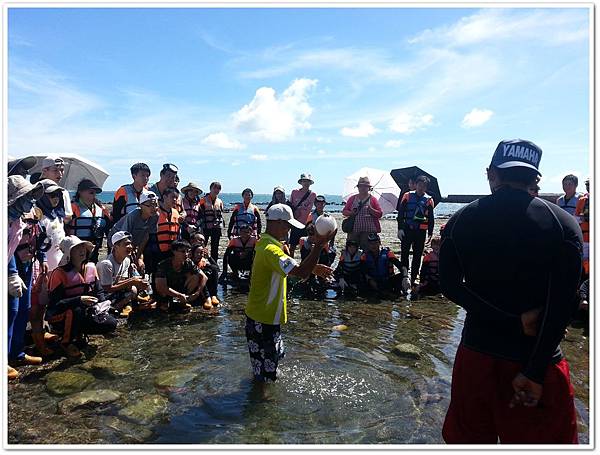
<point x="176" y="278"/>
<point x="503" y="255"/>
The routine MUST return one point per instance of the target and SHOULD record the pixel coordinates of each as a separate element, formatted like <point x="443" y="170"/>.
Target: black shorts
<point x="295" y="235"/>
<point x="266" y="349"/>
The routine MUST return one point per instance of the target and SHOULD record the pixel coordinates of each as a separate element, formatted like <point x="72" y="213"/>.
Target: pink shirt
<point x="301" y="213"/>
<point x="15" y="233"/>
<point x="365" y="220"/>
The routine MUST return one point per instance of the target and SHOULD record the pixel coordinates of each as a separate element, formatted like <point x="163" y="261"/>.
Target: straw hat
<point x="67" y="244"/>
<point x="191" y="186"/>
<point x="19" y="187"/>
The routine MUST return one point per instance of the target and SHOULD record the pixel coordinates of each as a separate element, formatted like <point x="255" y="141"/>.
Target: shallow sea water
<point x="334" y="387"/>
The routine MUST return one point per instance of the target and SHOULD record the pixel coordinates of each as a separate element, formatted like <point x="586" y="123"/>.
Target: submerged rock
<point x="340" y="328"/>
<point x="173" y="379"/>
<point x="87" y="398"/>
<point x="407" y="351"/>
<point x="109" y="366"/>
<point x="67" y="382"/>
<point x="146" y="409"/>
<point x="128" y="431"/>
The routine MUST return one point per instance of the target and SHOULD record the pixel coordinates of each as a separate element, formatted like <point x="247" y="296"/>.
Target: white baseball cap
<point x="148" y="196"/>
<point x="118" y="236"/>
<point x="283" y="212"/>
<point x="52" y="160"/>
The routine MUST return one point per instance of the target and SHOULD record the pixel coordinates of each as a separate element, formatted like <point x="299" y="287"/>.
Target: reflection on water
<point x="191" y="381"/>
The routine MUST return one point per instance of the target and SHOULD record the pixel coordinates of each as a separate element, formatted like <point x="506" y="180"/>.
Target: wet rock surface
<point x="173" y="378"/>
<point x="148" y="408"/>
<point x="407" y="351"/>
<point x="88" y="398"/>
<point x="109" y="366"/>
<point x="67" y="382"/>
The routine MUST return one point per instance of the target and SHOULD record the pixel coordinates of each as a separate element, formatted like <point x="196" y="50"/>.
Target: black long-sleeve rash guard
<point x="503" y="255"/>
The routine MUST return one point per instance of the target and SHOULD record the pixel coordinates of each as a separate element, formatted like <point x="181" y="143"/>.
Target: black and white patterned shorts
<point x="266" y="349"/>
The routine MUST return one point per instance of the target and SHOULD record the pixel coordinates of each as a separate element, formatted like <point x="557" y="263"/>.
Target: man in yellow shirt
<point x="266" y="308"/>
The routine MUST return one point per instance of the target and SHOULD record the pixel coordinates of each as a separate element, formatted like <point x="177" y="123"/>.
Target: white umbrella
<point x="77" y="168"/>
<point x="384" y="187"/>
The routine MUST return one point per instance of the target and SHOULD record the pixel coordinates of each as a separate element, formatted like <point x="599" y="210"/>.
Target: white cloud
<point x="236" y="162"/>
<point x="321" y="152"/>
<point x="370" y="63"/>
<point x="394" y="143"/>
<point x="554" y="27"/>
<point x="476" y="117"/>
<point x="223" y="141"/>
<point x="407" y="123"/>
<point x="274" y="118"/>
<point x="364" y="129"/>
<point x="258" y="157"/>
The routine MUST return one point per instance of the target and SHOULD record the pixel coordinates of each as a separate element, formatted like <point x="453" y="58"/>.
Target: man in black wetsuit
<point x="513" y="262"/>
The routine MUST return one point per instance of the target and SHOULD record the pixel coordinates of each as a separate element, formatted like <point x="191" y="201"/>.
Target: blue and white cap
<point x="517" y="153"/>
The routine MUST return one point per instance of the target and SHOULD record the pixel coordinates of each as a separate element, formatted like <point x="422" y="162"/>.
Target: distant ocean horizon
<point x="335" y="202"/>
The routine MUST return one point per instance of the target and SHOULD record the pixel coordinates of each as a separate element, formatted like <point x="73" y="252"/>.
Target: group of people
<point x="163" y="250"/>
<point x="512" y="260"/>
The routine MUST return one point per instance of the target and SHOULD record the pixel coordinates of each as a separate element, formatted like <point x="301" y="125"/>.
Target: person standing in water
<point x="266" y="309"/>
<point x="513" y="262"/>
<point x="301" y="202"/>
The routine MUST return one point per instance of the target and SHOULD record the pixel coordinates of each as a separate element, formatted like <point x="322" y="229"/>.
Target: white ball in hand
<point x="325" y="224"/>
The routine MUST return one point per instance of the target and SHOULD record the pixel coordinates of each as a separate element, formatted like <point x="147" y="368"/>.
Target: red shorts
<point x="479" y="412"/>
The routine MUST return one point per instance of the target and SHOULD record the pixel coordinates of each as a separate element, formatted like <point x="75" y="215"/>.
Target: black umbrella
<point x="403" y="175"/>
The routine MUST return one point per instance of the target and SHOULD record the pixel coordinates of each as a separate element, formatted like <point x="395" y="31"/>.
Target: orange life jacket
<point x="582" y="211"/>
<point x="167" y="229"/>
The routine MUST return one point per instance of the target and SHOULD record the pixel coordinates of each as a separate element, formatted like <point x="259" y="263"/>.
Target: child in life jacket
<point x="306" y="244"/>
<point x="210" y="268"/>
<point x="327" y="257"/>
<point x="429" y="278"/>
<point x="347" y="272"/>
<point x="377" y="265"/>
<point x="239" y="254"/>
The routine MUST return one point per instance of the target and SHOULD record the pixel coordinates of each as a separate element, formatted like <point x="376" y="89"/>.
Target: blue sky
<point x="254" y="97"/>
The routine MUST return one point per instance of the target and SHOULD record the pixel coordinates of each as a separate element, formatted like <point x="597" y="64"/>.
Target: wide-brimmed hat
<point x="87" y="184"/>
<point x="67" y="244"/>
<point x="305" y="176"/>
<point x="50" y="186"/>
<point x="279" y="188"/>
<point x="320" y="198"/>
<point x="191" y="186"/>
<point x="364" y="181"/>
<point x="27" y="162"/>
<point x="19" y="187"/>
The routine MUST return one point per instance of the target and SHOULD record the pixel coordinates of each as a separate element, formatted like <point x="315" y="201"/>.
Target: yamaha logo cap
<point x="517" y="153"/>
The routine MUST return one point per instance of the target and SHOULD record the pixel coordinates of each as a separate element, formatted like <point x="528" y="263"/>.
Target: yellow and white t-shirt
<point x="268" y="285"/>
